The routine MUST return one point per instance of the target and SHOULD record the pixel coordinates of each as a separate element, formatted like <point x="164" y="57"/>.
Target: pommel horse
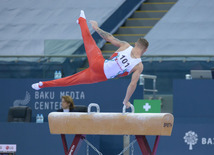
<point x="96" y="123"/>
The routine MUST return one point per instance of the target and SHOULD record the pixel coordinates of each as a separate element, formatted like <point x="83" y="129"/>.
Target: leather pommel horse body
<point x="138" y="124"/>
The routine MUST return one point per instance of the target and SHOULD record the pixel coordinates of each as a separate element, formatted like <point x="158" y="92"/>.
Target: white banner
<point x="7" y="148"/>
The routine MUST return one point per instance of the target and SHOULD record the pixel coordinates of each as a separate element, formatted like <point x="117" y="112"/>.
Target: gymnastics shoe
<point x="82" y="14"/>
<point x="36" y="85"/>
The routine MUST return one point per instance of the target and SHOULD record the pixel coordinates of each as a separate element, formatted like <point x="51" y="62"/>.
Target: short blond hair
<point x="143" y="42"/>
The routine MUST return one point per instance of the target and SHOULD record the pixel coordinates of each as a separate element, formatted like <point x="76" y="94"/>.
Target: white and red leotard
<point x="120" y="64"/>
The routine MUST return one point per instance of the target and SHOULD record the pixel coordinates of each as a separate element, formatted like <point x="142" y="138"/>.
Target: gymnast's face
<point x="65" y="105"/>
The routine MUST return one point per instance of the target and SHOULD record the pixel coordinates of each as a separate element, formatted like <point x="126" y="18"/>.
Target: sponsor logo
<point x="46" y="100"/>
<point x="168" y="125"/>
<point x="22" y="102"/>
<point x="191" y="138"/>
<point x="207" y="141"/>
<point x="7" y="148"/>
<point x="72" y="149"/>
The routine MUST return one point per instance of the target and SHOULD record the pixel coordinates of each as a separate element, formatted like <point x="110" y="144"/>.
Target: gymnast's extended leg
<point x="93" y="74"/>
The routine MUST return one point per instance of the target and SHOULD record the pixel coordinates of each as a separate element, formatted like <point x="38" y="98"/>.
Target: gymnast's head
<point x="67" y="102"/>
<point x="142" y="44"/>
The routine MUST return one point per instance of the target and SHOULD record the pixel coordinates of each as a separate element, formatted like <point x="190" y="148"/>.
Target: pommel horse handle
<point x="93" y="105"/>
<point x="124" y="108"/>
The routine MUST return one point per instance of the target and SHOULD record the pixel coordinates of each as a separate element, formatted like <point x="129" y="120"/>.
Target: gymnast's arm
<point x="107" y="36"/>
<point x="132" y="86"/>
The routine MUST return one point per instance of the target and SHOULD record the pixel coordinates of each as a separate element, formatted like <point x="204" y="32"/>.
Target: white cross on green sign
<point x="147" y="106"/>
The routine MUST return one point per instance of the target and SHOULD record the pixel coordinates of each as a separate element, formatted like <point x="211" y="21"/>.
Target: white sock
<point x="82" y="14"/>
<point x="36" y="85"/>
<point x="40" y="83"/>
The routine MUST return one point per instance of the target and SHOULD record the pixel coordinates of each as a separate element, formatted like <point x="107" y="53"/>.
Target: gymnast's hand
<point x="127" y="104"/>
<point x="94" y="24"/>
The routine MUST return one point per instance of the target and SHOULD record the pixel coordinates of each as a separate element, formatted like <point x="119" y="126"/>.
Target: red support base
<point x="144" y="145"/>
<point x="65" y="146"/>
<point x="142" y="141"/>
<point x="155" y="145"/>
<point x="74" y="144"/>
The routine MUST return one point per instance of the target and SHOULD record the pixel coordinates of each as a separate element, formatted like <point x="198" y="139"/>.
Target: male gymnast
<point x="124" y="61"/>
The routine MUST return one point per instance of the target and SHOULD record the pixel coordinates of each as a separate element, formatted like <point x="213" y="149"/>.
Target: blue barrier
<point x="193" y="111"/>
<point x="34" y="139"/>
<point x="193" y="98"/>
<point x="109" y="95"/>
<point x="192" y="132"/>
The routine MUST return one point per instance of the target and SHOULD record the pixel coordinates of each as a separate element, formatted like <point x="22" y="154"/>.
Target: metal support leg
<point x="144" y="145"/>
<point x="126" y="142"/>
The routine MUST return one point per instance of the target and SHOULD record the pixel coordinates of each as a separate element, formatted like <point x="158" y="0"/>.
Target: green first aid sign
<point x="147" y="106"/>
